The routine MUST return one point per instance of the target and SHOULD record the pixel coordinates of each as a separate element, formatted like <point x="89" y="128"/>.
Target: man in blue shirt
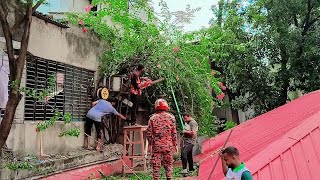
<point x="100" y="108"/>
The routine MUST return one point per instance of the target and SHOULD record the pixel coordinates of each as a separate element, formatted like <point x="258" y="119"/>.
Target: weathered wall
<point x="24" y="139"/>
<point x="71" y="46"/>
<point x="226" y="113"/>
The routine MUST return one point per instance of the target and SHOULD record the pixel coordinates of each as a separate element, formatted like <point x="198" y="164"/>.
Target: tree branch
<point x="295" y="20"/>
<point x="16" y="72"/>
<point x="6" y="32"/>
<point x="5" y="9"/>
<point x="26" y="33"/>
<point x="313" y="21"/>
<point x="17" y="24"/>
<point x="306" y="20"/>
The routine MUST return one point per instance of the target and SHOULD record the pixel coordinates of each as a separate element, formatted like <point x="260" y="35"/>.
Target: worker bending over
<point x="100" y="108"/>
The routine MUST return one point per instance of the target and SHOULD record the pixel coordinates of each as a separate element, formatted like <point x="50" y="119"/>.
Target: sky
<point x="202" y="17"/>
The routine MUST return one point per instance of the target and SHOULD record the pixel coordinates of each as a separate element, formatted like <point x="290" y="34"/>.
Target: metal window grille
<point x="74" y="98"/>
<point x="1" y="114"/>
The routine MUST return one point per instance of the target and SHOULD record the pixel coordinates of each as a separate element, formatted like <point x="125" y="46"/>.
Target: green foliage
<point x="182" y="59"/>
<point x="273" y="50"/>
<point x="43" y="125"/>
<point x="67" y="118"/>
<point x="40" y="94"/>
<point x="293" y="40"/>
<point x="260" y="51"/>
<point x="73" y="132"/>
<point x="146" y="176"/>
<point x="229" y="125"/>
<point x="15" y="166"/>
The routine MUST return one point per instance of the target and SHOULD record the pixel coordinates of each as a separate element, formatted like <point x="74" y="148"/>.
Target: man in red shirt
<point x="135" y="91"/>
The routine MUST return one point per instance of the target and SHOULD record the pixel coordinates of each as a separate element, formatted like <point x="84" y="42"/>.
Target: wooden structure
<point x="132" y="140"/>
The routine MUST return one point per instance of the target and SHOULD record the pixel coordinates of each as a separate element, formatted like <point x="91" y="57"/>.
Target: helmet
<point x="161" y="104"/>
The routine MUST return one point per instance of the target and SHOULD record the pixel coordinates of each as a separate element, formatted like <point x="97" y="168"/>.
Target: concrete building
<point x="71" y="54"/>
<point x="59" y="8"/>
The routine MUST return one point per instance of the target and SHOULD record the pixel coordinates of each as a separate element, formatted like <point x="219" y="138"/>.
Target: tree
<point x="163" y="48"/>
<point x="16" y="63"/>
<point x="277" y="53"/>
<point x="292" y="28"/>
<point x="246" y="75"/>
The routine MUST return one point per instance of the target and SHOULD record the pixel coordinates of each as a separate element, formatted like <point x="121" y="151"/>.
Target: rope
<point x="115" y="155"/>
<point x="104" y="146"/>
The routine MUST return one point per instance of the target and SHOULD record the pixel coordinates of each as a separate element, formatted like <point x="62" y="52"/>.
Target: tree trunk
<point x="7" y="120"/>
<point x="283" y="73"/>
<point x="234" y="112"/>
<point x="16" y="68"/>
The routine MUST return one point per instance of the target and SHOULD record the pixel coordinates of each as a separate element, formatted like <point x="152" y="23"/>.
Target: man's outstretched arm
<point x="121" y="116"/>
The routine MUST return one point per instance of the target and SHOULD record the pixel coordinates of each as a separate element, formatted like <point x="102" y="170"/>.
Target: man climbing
<point x="189" y="139"/>
<point x="232" y="166"/>
<point x="135" y="91"/>
<point x="162" y="137"/>
<point x="100" y="108"/>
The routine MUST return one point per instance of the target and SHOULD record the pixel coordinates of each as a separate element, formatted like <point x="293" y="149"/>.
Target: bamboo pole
<point x="224" y="145"/>
<point x="176" y="103"/>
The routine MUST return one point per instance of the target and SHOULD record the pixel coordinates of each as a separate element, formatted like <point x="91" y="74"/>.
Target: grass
<point x="148" y="176"/>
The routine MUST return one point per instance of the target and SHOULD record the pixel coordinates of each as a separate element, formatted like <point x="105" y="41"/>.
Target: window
<point x="72" y="92"/>
<point x="1" y="114"/>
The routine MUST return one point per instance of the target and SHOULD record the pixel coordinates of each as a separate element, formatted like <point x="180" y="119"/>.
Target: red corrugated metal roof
<point x="294" y="156"/>
<point x="285" y="137"/>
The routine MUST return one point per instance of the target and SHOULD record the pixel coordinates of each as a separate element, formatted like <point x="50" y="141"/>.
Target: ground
<point x="148" y="175"/>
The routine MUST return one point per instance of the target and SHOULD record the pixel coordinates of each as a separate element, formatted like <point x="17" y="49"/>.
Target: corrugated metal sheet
<point x="286" y="133"/>
<point x="294" y="156"/>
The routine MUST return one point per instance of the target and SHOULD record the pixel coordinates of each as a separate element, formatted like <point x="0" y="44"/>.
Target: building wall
<point x="24" y="140"/>
<point x="226" y="113"/>
<point x="64" y="6"/>
<point x="69" y="46"/>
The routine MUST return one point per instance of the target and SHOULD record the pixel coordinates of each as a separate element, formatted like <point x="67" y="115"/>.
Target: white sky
<point x="202" y="17"/>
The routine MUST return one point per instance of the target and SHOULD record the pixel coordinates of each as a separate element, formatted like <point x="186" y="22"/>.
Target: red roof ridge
<point x="313" y="92"/>
<point x="248" y="122"/>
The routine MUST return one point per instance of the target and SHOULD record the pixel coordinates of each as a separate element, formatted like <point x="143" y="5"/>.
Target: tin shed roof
<point x="281" y="144"/>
